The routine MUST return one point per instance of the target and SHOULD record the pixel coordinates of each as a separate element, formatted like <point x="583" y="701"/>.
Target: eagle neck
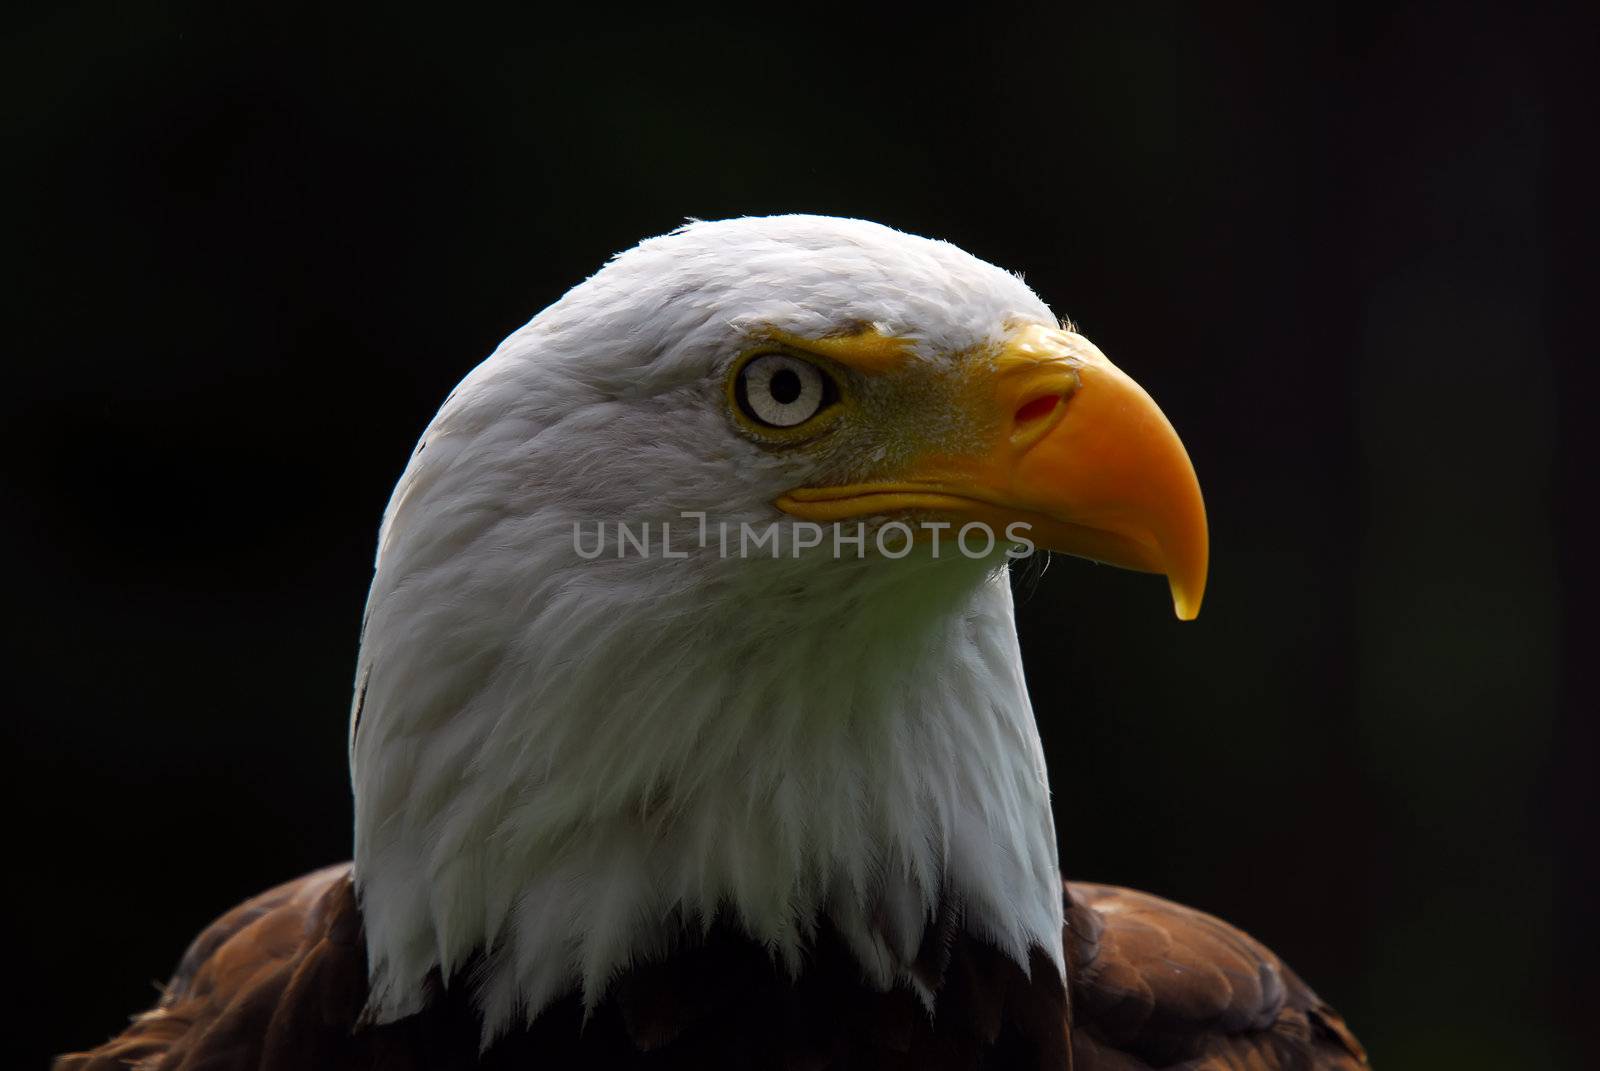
<point x="769" y="753"/>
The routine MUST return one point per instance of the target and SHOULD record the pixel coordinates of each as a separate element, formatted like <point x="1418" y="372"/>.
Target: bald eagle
<point x="690" y="727"/>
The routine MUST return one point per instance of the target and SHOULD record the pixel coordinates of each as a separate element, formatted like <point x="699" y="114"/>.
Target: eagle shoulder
<point x="1157" y="984"/>
<point x="278" y="981"/>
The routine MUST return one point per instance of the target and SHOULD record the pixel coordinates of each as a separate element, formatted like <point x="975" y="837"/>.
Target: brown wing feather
<point x="1156" y="984"/>
<point x="291" y="948"/>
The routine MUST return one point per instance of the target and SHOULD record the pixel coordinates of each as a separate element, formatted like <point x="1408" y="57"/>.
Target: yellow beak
<point x="1079" y="453"/>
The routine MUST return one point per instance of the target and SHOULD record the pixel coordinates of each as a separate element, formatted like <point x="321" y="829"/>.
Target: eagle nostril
<point x="1037" y="409"/>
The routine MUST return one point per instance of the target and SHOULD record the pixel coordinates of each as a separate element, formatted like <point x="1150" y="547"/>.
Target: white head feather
<point x="564" y="764"/>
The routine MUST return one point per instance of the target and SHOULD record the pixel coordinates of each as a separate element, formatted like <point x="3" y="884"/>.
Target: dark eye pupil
<point x="784" y="386"/>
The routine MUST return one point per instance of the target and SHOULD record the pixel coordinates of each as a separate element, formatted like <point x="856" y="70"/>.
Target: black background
<point x="248" y="253"/>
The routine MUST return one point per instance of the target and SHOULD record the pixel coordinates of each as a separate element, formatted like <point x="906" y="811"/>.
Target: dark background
<point x="247" y="254"/>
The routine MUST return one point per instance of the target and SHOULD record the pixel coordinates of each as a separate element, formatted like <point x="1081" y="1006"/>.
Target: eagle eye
<point x="776" y="390"/>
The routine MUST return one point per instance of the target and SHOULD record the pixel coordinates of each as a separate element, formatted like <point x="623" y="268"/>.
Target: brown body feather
<point x="1159" y="985"/>
<point x="279" y="983"/>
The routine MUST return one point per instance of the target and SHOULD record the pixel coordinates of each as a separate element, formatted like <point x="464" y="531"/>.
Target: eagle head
<point x="692" y="604"/>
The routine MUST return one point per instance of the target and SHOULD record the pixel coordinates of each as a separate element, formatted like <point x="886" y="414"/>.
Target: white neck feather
<point x="637" y="758"/>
